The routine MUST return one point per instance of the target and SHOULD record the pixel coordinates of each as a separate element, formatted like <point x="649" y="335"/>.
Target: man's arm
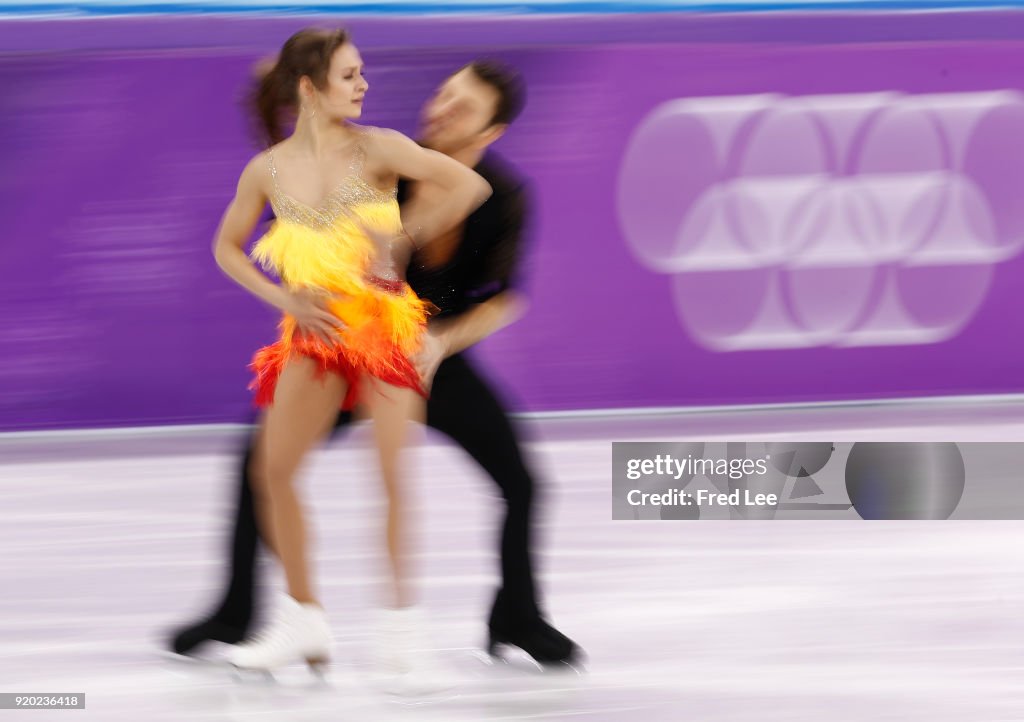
<point x="505" y="305"/>
<point x="474" y="326"/>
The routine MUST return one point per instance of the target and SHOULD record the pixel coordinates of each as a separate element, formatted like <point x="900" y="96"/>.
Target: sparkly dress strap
<point x="273" y="170"/>
<point x="355" y="168"/>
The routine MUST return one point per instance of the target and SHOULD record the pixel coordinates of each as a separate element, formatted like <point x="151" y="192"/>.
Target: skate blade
<point x="506" y="657"/>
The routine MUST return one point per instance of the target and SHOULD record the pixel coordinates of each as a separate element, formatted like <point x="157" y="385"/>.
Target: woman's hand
<point x="311" y="311"/>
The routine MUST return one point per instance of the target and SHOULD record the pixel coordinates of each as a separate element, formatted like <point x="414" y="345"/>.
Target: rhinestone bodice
<point x="353" y="191"/>
<point x="346" y="238"/>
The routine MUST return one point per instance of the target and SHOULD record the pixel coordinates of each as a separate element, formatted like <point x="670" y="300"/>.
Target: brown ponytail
<point x="307" y="53"/>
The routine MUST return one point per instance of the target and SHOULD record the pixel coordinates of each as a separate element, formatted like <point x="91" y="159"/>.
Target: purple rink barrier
<point x="760" y="245"/>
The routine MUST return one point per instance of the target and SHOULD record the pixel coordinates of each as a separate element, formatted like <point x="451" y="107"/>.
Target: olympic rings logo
<point x="838" y="220"/>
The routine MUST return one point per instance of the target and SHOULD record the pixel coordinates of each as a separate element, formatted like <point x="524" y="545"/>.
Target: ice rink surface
<point x="110" y="539"/>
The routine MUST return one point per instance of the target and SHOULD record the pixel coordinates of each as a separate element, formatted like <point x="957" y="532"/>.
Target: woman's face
<point x="342" y="96"/>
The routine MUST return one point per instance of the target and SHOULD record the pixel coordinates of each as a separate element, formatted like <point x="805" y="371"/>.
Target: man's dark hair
<point x="508" y="83"/>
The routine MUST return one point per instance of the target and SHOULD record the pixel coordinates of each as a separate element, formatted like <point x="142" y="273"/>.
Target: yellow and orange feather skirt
<point x="381" y="324"/>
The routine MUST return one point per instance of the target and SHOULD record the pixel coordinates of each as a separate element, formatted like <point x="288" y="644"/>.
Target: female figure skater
<point x="351" y="327"/>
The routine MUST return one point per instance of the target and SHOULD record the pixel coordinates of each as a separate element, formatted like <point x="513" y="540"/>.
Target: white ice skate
<point x="402" y="658"/>
<point x="298" y="632"/>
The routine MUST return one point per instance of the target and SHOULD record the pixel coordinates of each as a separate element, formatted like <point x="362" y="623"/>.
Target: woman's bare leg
<point x="301" y="415"/>
<point x="392" y="409"/>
